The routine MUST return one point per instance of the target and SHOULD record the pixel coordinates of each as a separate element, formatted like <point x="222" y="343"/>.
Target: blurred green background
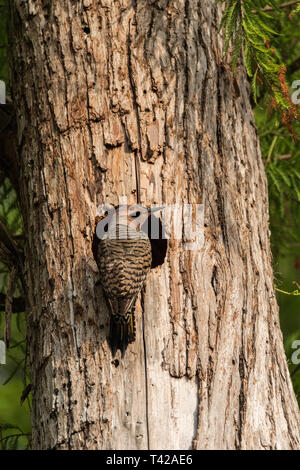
<point x="14" y="418"/>
<point x="15" y="424"/>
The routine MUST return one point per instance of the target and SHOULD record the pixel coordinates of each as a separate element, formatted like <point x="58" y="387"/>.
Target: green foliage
<point x="254" y="31"/>
<point x="284" y="192"/>
<point x="280" y="152"/>
<point x="15" y="427"/>
<point x="9" y="209"/>
<point x="16" y="439"/>
<point x="297" y="9"/>
<point x="269" y="40"/>
<point x="14" y="375"/>
<point x="281" y="156"/>
<point x="287" y="269"/>
<point x="294" y="369"/>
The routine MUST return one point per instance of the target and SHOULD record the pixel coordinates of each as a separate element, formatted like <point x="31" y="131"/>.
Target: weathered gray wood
<point x="97" y="82"/>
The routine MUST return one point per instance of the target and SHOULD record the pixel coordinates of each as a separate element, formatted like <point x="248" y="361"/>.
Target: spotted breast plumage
<point x="124" y="260"/>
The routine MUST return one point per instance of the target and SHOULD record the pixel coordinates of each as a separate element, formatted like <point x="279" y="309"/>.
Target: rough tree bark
<point x="106" y="89"/>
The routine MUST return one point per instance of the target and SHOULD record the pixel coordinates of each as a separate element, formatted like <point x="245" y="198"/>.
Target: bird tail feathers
<point x="122" y="332"/>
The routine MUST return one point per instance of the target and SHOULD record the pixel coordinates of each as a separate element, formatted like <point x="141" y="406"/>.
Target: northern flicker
<point x="124" y="260"/>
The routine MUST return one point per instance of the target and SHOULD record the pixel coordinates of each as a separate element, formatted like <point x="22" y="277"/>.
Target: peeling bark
<point x="111" y="93"/>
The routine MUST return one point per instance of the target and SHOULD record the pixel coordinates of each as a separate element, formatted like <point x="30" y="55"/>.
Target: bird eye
<point x="135" y="214"/>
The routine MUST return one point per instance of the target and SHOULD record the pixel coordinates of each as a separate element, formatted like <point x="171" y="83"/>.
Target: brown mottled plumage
<point x="124" y="260"/>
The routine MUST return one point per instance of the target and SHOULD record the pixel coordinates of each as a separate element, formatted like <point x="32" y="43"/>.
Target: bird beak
<point x="157" y="209"/>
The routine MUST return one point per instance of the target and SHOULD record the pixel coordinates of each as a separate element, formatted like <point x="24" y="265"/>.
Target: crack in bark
<point x="146" y="372"/>
<point x="138" y="125"/>
<point x="214" y="281"/>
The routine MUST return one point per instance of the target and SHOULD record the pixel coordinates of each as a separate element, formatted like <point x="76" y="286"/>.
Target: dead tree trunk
<point x="107" y="93"/>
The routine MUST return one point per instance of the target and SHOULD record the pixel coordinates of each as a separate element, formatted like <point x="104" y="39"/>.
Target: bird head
<point x="134" y="213"/>
<point x="134" y="216"/>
